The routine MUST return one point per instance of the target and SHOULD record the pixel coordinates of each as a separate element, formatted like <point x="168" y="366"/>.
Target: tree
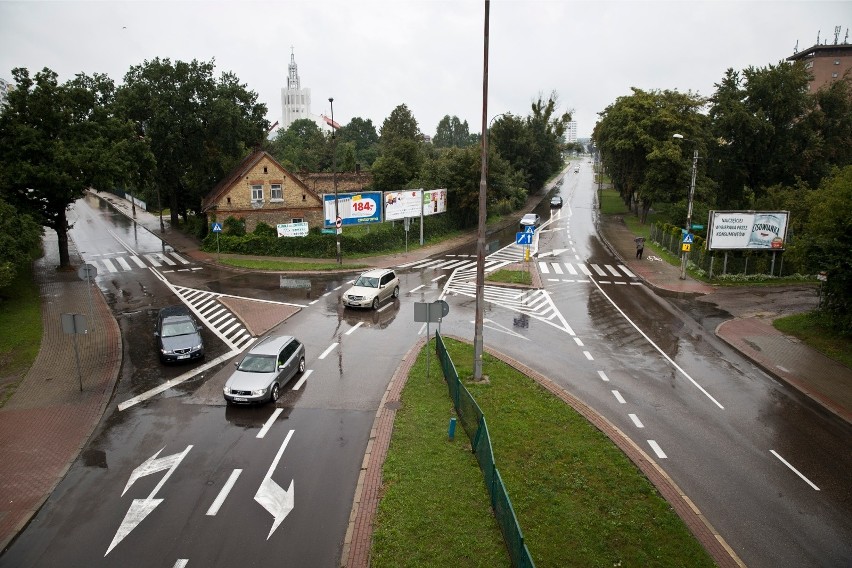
<point x="302" y="147"/>
<point x="827" y="242"/>
<point x="646" y="165"/>
<point x="401" y="152"/>
<point x="198" y="127"/>
<point x="20" y="238"/>
<point x="57" y="140"/>
<point x="363" y="134"/>
<point x="400" y="125"/>
<point x="451" y="132"/>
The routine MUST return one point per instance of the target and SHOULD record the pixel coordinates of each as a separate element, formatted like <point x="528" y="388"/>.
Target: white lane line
<point x="660" y="351"/>
<point x="223" y="494"/>
<point x="636" y="421"/>
<point x="312" y="303"/>
<point x="302" y="380"/>
<point x="578" y="341"/>
<point x="588" y="355"/>
<point x="618" y="397"/>
<point x="176" y="381"/>
<point x="796" y="471"/>
<point x="181" y="563"/>
<point x="327" y="351"/>
<point x="354" y="327"/>
<point x="657" y="449"/>
<point x="268" y="424"/>
<point x="416" y="289"/>
<point x="439" y="277"/>
<point x="603" y="376"/>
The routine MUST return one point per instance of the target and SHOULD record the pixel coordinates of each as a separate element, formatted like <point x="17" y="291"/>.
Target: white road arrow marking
<point x="271" y="496"/>
<point x="141" y="508"/>
<point x="554" y="252"/>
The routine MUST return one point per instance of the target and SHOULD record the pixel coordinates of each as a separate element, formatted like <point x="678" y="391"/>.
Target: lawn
<point x="813" y="329"/>
<point x="20" y="332"/>
<point x="578" y="499"/>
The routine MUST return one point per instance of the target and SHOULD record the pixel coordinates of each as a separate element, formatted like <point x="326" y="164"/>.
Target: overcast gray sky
<point x="372" y="55"/>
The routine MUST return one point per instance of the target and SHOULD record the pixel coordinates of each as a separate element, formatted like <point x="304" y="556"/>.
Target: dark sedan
<point x="178" y="335"/>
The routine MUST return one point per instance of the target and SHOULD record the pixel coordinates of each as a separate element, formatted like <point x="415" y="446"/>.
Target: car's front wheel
<point x="302" y="365"/>
<point x="376" y="303"/>
<point x="275" y="393"/>
<point x="396" y="292"/>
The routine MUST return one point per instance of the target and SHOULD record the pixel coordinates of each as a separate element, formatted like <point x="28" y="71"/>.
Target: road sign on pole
<point x="523" y="238"/>
<point x="688" y="239"/>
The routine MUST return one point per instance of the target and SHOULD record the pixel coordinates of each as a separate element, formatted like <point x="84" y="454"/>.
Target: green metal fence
<point x="476" y="428"/>
<point x="716" y="263"/>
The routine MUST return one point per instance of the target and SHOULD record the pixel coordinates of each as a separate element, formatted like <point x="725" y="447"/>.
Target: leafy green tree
<point x="402" y="154"/>
<point x="452" y="132"/>
<point x="400" y="125"/>
<point x="758" y="116"/>
<point x="57" y="140"/>
<point x="198" y="127"/>
<point x="831" y="122"/>
<point x="20" y="239"/>
<point x="827" y="242"/>
<point x="303" y="147"/>
<point x="363" y="134"/>
<point x="647" y="166"/>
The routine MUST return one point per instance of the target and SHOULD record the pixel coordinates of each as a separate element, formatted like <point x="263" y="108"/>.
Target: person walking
<point x="640" y="246"/>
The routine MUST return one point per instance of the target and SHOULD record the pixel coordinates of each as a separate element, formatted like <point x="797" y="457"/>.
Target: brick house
<point x="260" y="189"/>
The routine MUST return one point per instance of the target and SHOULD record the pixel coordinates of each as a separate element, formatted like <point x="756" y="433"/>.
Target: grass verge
<point x="579" y="500"/>
<point x="288" y="266"/>
<point x="20" y="331"/>
<point x="511" y="277"/>
<point x="813" y="329"/>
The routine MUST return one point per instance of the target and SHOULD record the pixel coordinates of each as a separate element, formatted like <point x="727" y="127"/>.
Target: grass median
<point x="578" y="499"/>
<point x="20" y="331"/>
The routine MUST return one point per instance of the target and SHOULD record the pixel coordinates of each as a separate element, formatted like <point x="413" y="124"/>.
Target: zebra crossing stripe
<point x="626" y="271"/>
<point x="232" y="328"/>
<point x="123" y="263"/>
<point x="612" y="270"/>
<point x="556" y="268"/>
<point x="138" y="261"/>
<point x="180" y="258"/>
<point x="571" y="268"/>
<point x="598" y="270"/>
<point x="584" y="269"/>
<point x="153" y="260"/>
<point x="543" y="267"/>
<point x="165" y="259"/>
<point x="109" y="266"/>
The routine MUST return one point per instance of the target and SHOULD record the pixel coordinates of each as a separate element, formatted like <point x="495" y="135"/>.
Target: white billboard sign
<point x="292" y="229"/>
<point x="750" y="230"/>
<point x="414" y="203"/>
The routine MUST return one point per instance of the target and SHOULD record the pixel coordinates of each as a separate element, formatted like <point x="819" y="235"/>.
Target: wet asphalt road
<point x="712" y="415"/>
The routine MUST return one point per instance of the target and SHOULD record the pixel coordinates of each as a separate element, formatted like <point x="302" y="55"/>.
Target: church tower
<point x="295" y="101"/>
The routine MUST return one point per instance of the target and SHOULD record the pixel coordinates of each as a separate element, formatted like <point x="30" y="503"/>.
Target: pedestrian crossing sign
<point x="217" y="227"/>
<point x="529" y="229"/>
<point x="687" y="239"/>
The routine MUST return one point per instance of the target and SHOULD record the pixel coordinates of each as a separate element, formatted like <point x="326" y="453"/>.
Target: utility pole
<point x="338" y="229"/>
<point x="480" y="231"/>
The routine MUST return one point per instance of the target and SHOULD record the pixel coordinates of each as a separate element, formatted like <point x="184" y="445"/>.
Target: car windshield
<point x="257" y="364"/>
<point x="178" y="328"/>
<point x="367" y="282"/>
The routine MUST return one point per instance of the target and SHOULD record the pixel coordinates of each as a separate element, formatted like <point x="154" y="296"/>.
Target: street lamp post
<point x="683" y="254"/>
<point x="337" y="229"/>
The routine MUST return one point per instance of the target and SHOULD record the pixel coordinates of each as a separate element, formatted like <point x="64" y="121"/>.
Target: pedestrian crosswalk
<point x="216" y="316"/>
<point x="123" y="262"/>
<point x="553" y="271"/>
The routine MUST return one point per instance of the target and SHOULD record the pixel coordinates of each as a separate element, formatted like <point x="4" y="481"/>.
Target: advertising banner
<point x="292" y="229"/>
<point x="749" y="230"/>
<point x="414" y="202"/>
<point x="353" y="208"/>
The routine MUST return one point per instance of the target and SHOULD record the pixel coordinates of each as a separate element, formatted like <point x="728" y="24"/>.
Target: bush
<point x="234" y="227"/>
<point x="264" y="230"/>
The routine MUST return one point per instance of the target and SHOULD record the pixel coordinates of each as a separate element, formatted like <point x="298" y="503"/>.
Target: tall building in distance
<point x="295" y="101"/>
<point x="571" y="132"/>
<point x="826" y="62"/>
<point x="5" y="88"/>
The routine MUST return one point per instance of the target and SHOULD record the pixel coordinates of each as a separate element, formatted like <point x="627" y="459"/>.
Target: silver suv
<point x="372" y="288"/>
<point x="265" y="369"/>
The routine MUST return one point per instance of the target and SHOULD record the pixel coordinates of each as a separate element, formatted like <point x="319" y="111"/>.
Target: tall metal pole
<point x="337" y="229"/>
<point x="685" y="254"/>
<point x="480" y="231"/>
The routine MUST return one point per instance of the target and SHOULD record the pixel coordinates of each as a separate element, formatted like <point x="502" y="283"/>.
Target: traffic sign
<point x="523" y="238"/>
<point x="688" y="239"/>
<point x="697" y="227"/>
<point x="339" y="222"/>
<point x="530" y="229"/>
<point x="217" y="227"/>
<point x="685" y="247"/>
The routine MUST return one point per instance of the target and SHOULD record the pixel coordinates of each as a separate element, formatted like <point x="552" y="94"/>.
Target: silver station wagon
<point x="265" y="369"/>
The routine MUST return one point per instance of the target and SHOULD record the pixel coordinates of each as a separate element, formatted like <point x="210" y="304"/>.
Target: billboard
<point x="414" y="203"/>
<point x="353" y="208"/>
<point x="292" y="229"/>
<point x="747" y="230"/>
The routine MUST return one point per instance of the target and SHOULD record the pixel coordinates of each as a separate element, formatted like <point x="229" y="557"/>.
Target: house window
<point x="229" y="201"/>
<point x="257" y="193"/>
<point x="264" y="169"/>
<point x="809" y="65"/>
<point x="297" y="220"/>
<point x="304" y="197"/>
<point x="275" y="193"/>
